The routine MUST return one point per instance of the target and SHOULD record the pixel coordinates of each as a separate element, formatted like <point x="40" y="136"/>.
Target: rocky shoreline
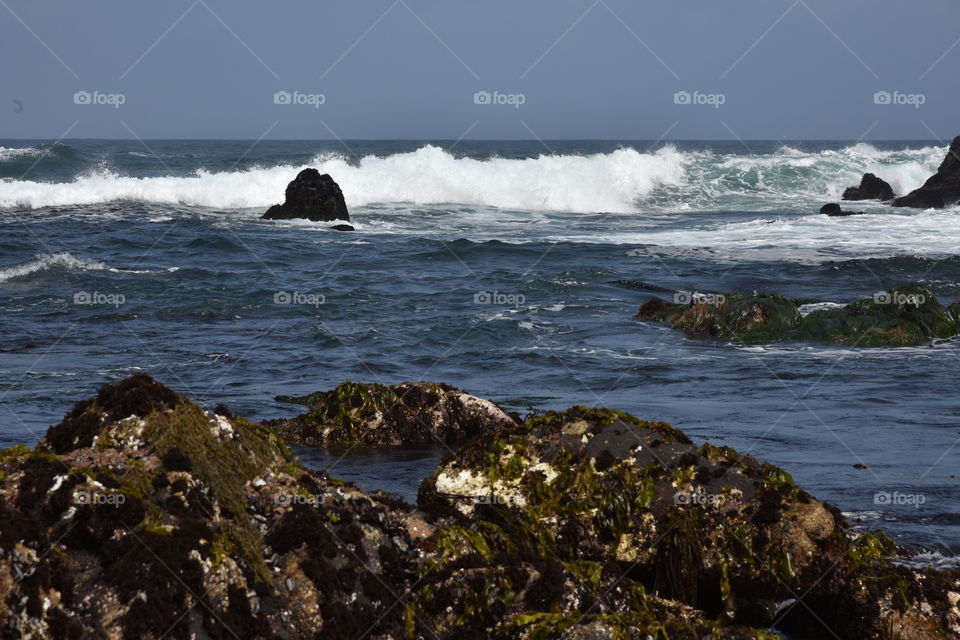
<point x="142" y="515"/>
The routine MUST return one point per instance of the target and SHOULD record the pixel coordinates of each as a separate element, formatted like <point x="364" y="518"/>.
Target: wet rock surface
<point x="904" y="316"/>
<point x="871" y="188"/>
<point x="834" y="211"/>
<point x="142" y="515"/>
<point x="634" y="530"/>
<point x="409" y="414"/>
<point x="940" y="190"/>
<point x="311" y="196"/>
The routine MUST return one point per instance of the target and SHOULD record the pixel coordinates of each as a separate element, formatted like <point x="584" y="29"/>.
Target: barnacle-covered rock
<point x="409" y="414"/>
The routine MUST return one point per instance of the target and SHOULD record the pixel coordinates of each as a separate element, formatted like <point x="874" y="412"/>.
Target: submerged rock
<point x="409" y="414"/>
<point x="942" y="189"/>
<point x="311" y="196"/>
<point x="630" y="529"/>
<point x="871" y="188"/>
<point x="143" y="516"/>
<point x="904" y="316"/>
<point x="834" y="210"/>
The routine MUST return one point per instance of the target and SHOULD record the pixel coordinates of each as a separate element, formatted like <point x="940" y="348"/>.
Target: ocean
<point x="493" y="266"/>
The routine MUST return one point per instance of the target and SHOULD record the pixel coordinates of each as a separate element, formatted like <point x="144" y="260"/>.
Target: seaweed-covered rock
<point x="597" y="519"/>
<point x="411" y="414"/>
<point x="142" y="515"/>
<point x="871" y="188"/>
<point x="942" y="189"/>
<point x="904" y="316"/>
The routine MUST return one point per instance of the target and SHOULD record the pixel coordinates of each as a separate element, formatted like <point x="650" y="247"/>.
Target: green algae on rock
<point x="599" y="492"/>
<point x="143" y="516"/>
<point x="411" y="414"/>
<point x="904" y="316"/>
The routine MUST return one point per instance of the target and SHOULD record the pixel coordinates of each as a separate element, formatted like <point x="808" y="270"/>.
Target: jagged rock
<point x="588" y="496"/>
<point x="409" y="414"/>
<point x="141" y="515"/>
<point x="871" y="188"/>
<point x="312" y="196"/>
<point x="834" y="210"/>
<point x="904" y="316"/>
<point x="942" y="189"/>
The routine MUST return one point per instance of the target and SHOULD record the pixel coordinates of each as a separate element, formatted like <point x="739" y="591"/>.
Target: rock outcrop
<point x="903" y="316"/>
<point x="871" y="188"/>
<point x="409" y="414"/>
<point x="833" y="210"/>
<point x="942" y="189"/>
<point x="636" y="532"/>
<point x="313" y="197"/>
<point x="141" y="515"/>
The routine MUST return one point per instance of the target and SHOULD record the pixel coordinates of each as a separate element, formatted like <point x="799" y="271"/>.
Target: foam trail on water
<point x="44" y="261"/>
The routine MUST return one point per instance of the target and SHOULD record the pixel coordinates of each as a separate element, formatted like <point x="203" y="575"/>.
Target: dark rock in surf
<point x="942" y="189"/>
<point x="834" y="210"/>
<point x="342" y="227"/>
<point x="871" y="188"/>
<point x="313" y="197"/>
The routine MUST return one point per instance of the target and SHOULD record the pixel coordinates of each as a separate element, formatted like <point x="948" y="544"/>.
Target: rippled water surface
<point x="494" y="267"/>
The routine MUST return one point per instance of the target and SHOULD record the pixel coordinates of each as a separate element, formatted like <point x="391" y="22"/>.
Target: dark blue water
<point x="165" y="240"/>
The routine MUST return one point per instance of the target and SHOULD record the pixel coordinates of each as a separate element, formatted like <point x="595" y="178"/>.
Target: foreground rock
<point x="942" y="189"/>
<point x="636" y="532"/>
<point x="871" y="188"/>
<point x="313" y="197"/>
<point x="904" y="316"/>
<point x="143" y="516"/>
<point x="410" y="414"/>
<point x="834" y="210"/>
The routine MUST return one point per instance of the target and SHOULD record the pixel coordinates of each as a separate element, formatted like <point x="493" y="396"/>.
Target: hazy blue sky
<point x="411" y="69"/>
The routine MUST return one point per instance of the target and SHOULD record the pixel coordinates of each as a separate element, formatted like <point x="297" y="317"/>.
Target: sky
<point x="483" y="69"/>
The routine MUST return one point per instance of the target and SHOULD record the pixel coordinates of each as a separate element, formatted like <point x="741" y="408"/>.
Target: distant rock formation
<point x="942" y="189"/>
<point x="313" y="197"/>
<point x="834" y="210"/>
<point x="871" y="188"/>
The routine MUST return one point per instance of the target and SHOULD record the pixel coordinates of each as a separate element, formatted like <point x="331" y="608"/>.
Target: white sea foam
<point x="66" y="261"/>
<point x="9" y="153"/>
<point x="44" y="261"/>
<point x="600" y="182"/>
<point x="622" y="181"/>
